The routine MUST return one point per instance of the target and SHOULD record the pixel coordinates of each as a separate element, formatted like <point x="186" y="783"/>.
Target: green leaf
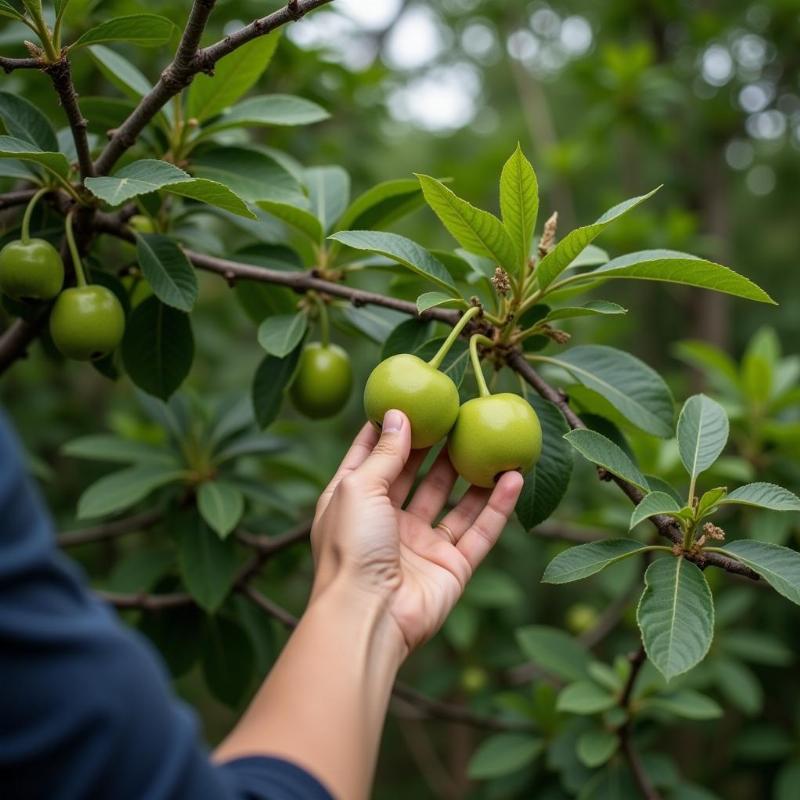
<point x="407" y="337"/>
<point x="685" y="703"/>
<point x="234" y="75"/>
<point x="382" y="204"/>
<point x="145" y="30"/>
<point x="158" y="347"/>
<point x="652" y="504"/>
<point x="702" y="433"/>
<point x="554" y="651"/>
<point x="787" y="781"/>
<point x="519" y="203"/>
<point x="151" y="175"/>
<point x="585" y="697"/>
<point x="596" y="747"/>
<point x="329" y="192"/>
<point x="718" y="366"/>
<point x="434" y="299"/>
<point x="270" y="109"/>
<point x="675" y="267"/>
<point x="167" y="270"/>
<point x="493" y="588"/>
<point x="299" y="218"/>
<point x="402" y="250"/>
<point x="475" y="230"/>
<point x="584" y="560"/>
<point x="638" y="392"/>
<point x="120" y="490"/>
<point x="779" y="566"/>
<point x="7" y="10"/>
<point x="269" y="385"/>
<point x="757" y="648"/>
<point x="124" y="75"/>
<point x="22" y="150"/>
<point x="675" y="615"/>
<point x="602" y="451"/>
<point x="567" y="250"/>
<point x="106" y="112"/>
<point x="503" y="754"/>
<point x="221" y="505"/>
<point x="281" y="334"/>
<point x="208" y="565"/>
<point x="593" y="308"/>
<point x="763" y="495"/>
<point x="710" y="500"/>
<point x="547" y="482"/>
<point x="228" y="660"/>
<point x="24" y="121"/>
<point x="455" y="362"/>
<point x="739" y="685"/>
<point x="103" y="447"/>
<point x="249" y="444"/>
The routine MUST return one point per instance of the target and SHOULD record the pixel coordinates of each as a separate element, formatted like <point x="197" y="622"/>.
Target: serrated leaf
<point x="270" y="109"/>
<point x="402" y="250"/>
<point x="634" y="389"/>
<point x="675" y="615"/>
<point x="281" y="334"/>
<point x="602" y="451"/>
<point x="434" y="299"/>
<point x="702" y="433"/>
<point x="104" y="447"/>
<point x="584" y="560"/>
<point x="652" y="504"/>
<point x="567" y="250"/>
<point x="11" y="147"/>
<point x="382" y="204"/>
<point x="674" y="267"/>
<point x="23" y="120"/>
<point x="158" y="347"/>
<point x="474" y="229"/>
<point x="763" y="495"/>
<point x="685" y="703"/>
<point x="503" y="754"/>
<point x="585" y="697"/>
<point x="221" y="505"/>
<point x="120" y="490"/>
<point x="234" y="75"/>
<point x="519" y="203"/>
<point x="779" y="566"/>
<point x="593" y="308"/>
<point x="329" y="193"/>
<point x="555" y="651"/>
<point x="145" y="30"/>
<point x="269" y="385"/>
<point x="596" y="747"/>
<point x="547" y="482"/>
<point x="167" y="270"/>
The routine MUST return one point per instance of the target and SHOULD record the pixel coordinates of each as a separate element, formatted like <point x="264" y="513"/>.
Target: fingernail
<point x="392" y="421"/>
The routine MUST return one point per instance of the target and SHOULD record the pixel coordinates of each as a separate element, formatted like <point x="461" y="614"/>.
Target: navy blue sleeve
<point x="86" y="709"/>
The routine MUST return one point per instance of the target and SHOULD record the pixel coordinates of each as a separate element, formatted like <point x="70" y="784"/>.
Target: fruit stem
<point x="26" y="219"/>
<point x="436" y="361"/>
<point x="324" y="322"/>
<point x="77" y="264"/>
<point x="474" y="341"/>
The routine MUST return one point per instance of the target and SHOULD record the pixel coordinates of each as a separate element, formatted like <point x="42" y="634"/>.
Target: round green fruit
<point x="87" y="322"/>
<point x="474" y="679"/>
<point x="323" y="381"/>
<point x="142" y="224"/>
<point x="581" y="618"/>
<point x="493" y="435"/>
<point x="428" y="397"/>
<point x="31" y="270"/>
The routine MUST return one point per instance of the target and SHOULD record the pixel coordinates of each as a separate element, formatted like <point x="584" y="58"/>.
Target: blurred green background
<point x="608" y="100"/>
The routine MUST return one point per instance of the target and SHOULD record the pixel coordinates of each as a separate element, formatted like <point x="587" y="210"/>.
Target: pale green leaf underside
<point x="779" y="566"/>
<point x="587" y="559"/>
<point x="652" y="504"/>
<point x="763" y="495"/>
<point x="702" y="433"/>
<point x="675" y="615"/>
<point x="606" y="454"/>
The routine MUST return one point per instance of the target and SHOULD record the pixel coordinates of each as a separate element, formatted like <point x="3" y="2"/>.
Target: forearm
<point x="324" y="702"/>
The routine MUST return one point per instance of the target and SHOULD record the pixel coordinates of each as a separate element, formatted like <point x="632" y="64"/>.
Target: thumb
<point x="387" y="459"/>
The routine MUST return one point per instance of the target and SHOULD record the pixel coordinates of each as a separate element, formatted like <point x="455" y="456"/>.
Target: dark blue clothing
<point x="85" y="705"/>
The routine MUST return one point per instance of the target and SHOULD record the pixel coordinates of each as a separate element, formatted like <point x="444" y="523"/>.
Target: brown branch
<point x="187" y="63"/>
<point x="111" y="530"/>
<point x="272" y="544"/>
<point x="17" y="198"/>
<point x="10" y="64"/>
<point x="146" y="602"/>
<point x="15" y="341"/>
<point x="61" y="76"/>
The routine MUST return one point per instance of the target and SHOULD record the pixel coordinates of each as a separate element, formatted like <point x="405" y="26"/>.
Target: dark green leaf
<point x="281" y="334"/>
<point x="269" y="385"/>
<point x="584" y="560"/>
<point x="502" y="754"/>
<point x="603" y="452"/>
<point x="555" y="651"/>
<point x="145" y="30"/>
<point x="167" y="270"/>
<point x="23" y="120"/>
<point x="221" y="505"/>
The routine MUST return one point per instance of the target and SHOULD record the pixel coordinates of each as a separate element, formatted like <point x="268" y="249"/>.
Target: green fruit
<point x="581" y="618"/>
<point x="428" y="397"/>
<point x="474" y="679"/>
<point x="31" y="271"/>
<point x="323" y="381"/>
<point x="142" y="224"/>
<point x="87" y="322"/>
<point x="493" y="435"/>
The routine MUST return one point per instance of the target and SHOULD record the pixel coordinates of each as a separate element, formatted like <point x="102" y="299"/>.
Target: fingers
<point x="484" y="532"/>
<point x="385" y="463"/>
<point x="432" y="493"/>
<point x="402" y="486"/>
<point x="459" y="519"/>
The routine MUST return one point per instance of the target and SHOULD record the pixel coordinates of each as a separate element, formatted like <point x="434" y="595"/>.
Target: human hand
<point x="365" y="532"/>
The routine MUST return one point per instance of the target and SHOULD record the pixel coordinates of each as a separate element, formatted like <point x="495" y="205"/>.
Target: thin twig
<point x="272" y="544"/>
<point x="17" y="198"/>
<point x="111" y="530"/>
<point x="15" y="341"/>
<point x="10" y="64"/>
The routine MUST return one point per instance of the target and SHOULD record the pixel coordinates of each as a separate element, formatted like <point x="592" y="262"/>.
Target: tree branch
<point x="187" y="63"/>
<point x="18" y="198"/>
<point x="60" y="74"/>
<point x="272" y="544"/>
<point x="10" y="64"/>
<point x="111" y="530"/>
<point x="15" y="341"/>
